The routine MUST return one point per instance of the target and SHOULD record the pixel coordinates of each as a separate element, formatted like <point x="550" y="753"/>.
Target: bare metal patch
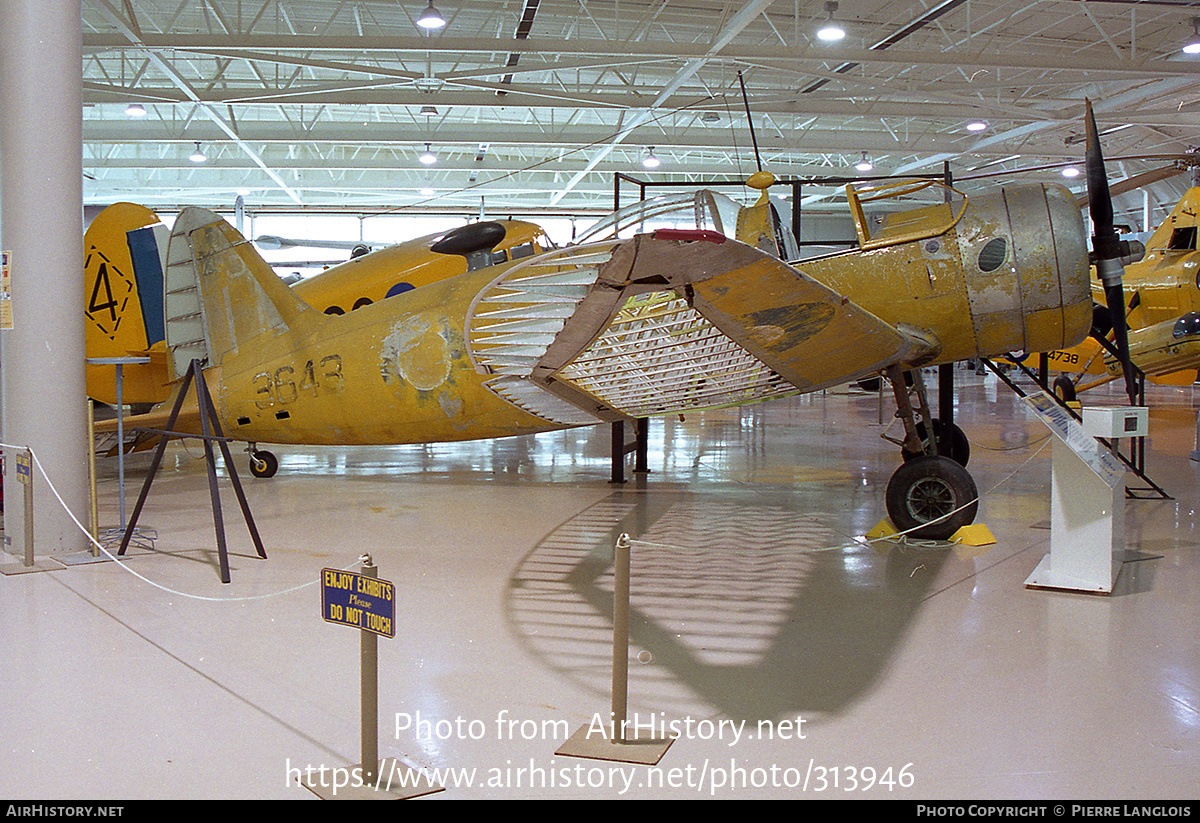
<point x="416" y="351"/>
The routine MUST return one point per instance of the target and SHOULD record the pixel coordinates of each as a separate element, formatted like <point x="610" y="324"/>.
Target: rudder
<point x="123" y="303"/>
<point x="221" y="296"/>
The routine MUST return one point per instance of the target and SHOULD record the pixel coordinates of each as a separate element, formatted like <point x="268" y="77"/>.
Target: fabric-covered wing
<point x="671" y="322"/>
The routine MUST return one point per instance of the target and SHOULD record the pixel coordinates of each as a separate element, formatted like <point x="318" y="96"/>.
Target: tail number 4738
<point x="286" y="384"/>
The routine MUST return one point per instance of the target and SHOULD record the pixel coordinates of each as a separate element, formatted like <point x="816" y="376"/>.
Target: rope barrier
<point x="852" y="541"/>
<point x="855" y="542"/>
<point x="86" y="533"/>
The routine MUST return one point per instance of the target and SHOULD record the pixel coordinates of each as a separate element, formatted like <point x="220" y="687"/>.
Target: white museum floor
<point x="787" y="658"/>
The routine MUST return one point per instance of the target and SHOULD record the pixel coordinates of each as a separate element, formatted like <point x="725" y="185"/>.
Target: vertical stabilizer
<point x="221" y="296"/>
<point x="123" y="280"/>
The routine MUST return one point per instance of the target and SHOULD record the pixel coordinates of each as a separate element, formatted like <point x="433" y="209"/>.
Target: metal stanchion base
<point x="82" y="558"/>
<point x="397" y="781"/>
<point x="142" y="538"/>
<point x="38" y="566"/>
<point x="587" y="742"/>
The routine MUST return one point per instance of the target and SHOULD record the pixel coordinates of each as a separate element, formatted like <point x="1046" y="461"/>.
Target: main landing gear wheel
<point x="263" y="463"/>
<point x="931" y="488"/>
<point x="952" y="444"/>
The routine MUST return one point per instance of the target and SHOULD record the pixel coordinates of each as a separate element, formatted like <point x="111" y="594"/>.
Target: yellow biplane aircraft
<point x="661" y="322"/>
<point x="1162" y="298"/>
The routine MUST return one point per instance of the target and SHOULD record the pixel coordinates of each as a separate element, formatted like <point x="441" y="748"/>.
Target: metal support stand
<point x="620" y="746"/>
<point x="1195" y="455"/>
<point x="620" y="448"/>
<point x="112" y="536"/>
<point x="209" y="422"/>
<point x="25" y="476"/>
<point x="1136" y="463"/>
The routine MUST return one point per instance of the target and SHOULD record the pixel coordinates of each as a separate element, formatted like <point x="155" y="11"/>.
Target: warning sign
<point x="358" y="600"/>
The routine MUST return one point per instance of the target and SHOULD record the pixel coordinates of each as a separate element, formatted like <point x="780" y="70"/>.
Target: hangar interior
<point x="785" y="653"/>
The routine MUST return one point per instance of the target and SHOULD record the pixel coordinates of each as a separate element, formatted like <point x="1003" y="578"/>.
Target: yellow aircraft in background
<point x="1162" y="297"/>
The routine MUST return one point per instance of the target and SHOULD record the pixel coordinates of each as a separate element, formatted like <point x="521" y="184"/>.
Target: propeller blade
<point x="1138" y="181"/>
<point x="1106" y="246"/>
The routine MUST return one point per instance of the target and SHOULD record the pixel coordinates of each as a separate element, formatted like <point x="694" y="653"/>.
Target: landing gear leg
<point x="930" y="496"/>
<point x="904" y="385"/>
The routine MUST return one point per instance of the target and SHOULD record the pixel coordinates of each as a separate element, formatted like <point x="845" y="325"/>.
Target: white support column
<point x="41" y="224"/>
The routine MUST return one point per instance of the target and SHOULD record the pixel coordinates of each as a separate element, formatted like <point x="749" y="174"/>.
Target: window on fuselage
<point x="1183" y="239"/>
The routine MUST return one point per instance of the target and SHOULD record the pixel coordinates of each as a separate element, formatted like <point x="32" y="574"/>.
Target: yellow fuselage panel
<point x="386" y="374"/>
<point x="990" y="285"/>
<point x="1165" y="282"/>
<point x="1157" y="351"/>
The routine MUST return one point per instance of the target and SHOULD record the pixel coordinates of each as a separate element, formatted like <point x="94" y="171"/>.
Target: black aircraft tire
<point x="956" y="446"/>
<point x="928" y="488"/>
<point x="263" y="464"/>
<point x="1064" y="389"/>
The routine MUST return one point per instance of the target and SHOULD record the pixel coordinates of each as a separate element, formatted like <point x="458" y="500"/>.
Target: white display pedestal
<point x="1087" y="498"/>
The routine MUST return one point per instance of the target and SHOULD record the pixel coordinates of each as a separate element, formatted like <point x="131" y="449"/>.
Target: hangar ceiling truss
<point x="532" y="105"/>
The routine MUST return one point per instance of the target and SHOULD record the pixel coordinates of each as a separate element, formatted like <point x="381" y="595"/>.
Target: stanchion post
<point x="24" y="470"/>
<point x="586" y="742"/>
<point x="28" y="495"/>
<point x="374" y="612"/>
<point x="620" y="672"/>
<point x="95" y="508"/>
<point x="368" y="646"/>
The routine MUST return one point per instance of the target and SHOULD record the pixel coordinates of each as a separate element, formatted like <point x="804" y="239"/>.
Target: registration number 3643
<point x="287" y="383"/>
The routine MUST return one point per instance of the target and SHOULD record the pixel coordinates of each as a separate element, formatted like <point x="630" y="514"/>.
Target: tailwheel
<point x="1064" y="389"/>
<point x="263" y="463"/>
<point x="933" y="490"/>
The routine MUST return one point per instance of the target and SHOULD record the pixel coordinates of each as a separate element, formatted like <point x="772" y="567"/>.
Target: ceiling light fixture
<point x="831" y="31"/>
<point x="977" y="125"/>
<point x="650" y="161"/>
<point x="1070" y="171"/>
<point x="135" y="110"/>
<point x="197" y="156"/>
<point x="1192" y="46"/>
<point x="431" y="18"/>
<point x="428" y="157"/>
<point x="864" y="164"/>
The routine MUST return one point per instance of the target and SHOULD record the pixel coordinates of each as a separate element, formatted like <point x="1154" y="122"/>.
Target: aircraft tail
<point x="221" y="296"/>
<point x="123" y="289"/>
<point x="760" y="225"/>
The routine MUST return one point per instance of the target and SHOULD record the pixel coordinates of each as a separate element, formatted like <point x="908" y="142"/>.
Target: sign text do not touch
<point x="358" y="600"/>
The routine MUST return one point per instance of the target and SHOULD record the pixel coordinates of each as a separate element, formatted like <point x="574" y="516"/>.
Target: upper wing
<point x="673" y="321"/>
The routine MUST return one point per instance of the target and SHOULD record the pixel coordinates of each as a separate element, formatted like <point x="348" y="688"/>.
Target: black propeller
<point x="1107" y="250"/>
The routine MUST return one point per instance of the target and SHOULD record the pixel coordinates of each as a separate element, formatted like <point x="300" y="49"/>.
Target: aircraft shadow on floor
<point x="750" y="610"/>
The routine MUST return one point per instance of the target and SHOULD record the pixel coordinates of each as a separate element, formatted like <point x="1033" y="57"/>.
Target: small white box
<point x="1116" y="421"/>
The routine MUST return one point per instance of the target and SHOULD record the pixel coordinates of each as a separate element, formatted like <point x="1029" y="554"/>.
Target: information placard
<point x="6" y="311"/>
<point x="1070" y="432"/>
<point x="359" y="601"/>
